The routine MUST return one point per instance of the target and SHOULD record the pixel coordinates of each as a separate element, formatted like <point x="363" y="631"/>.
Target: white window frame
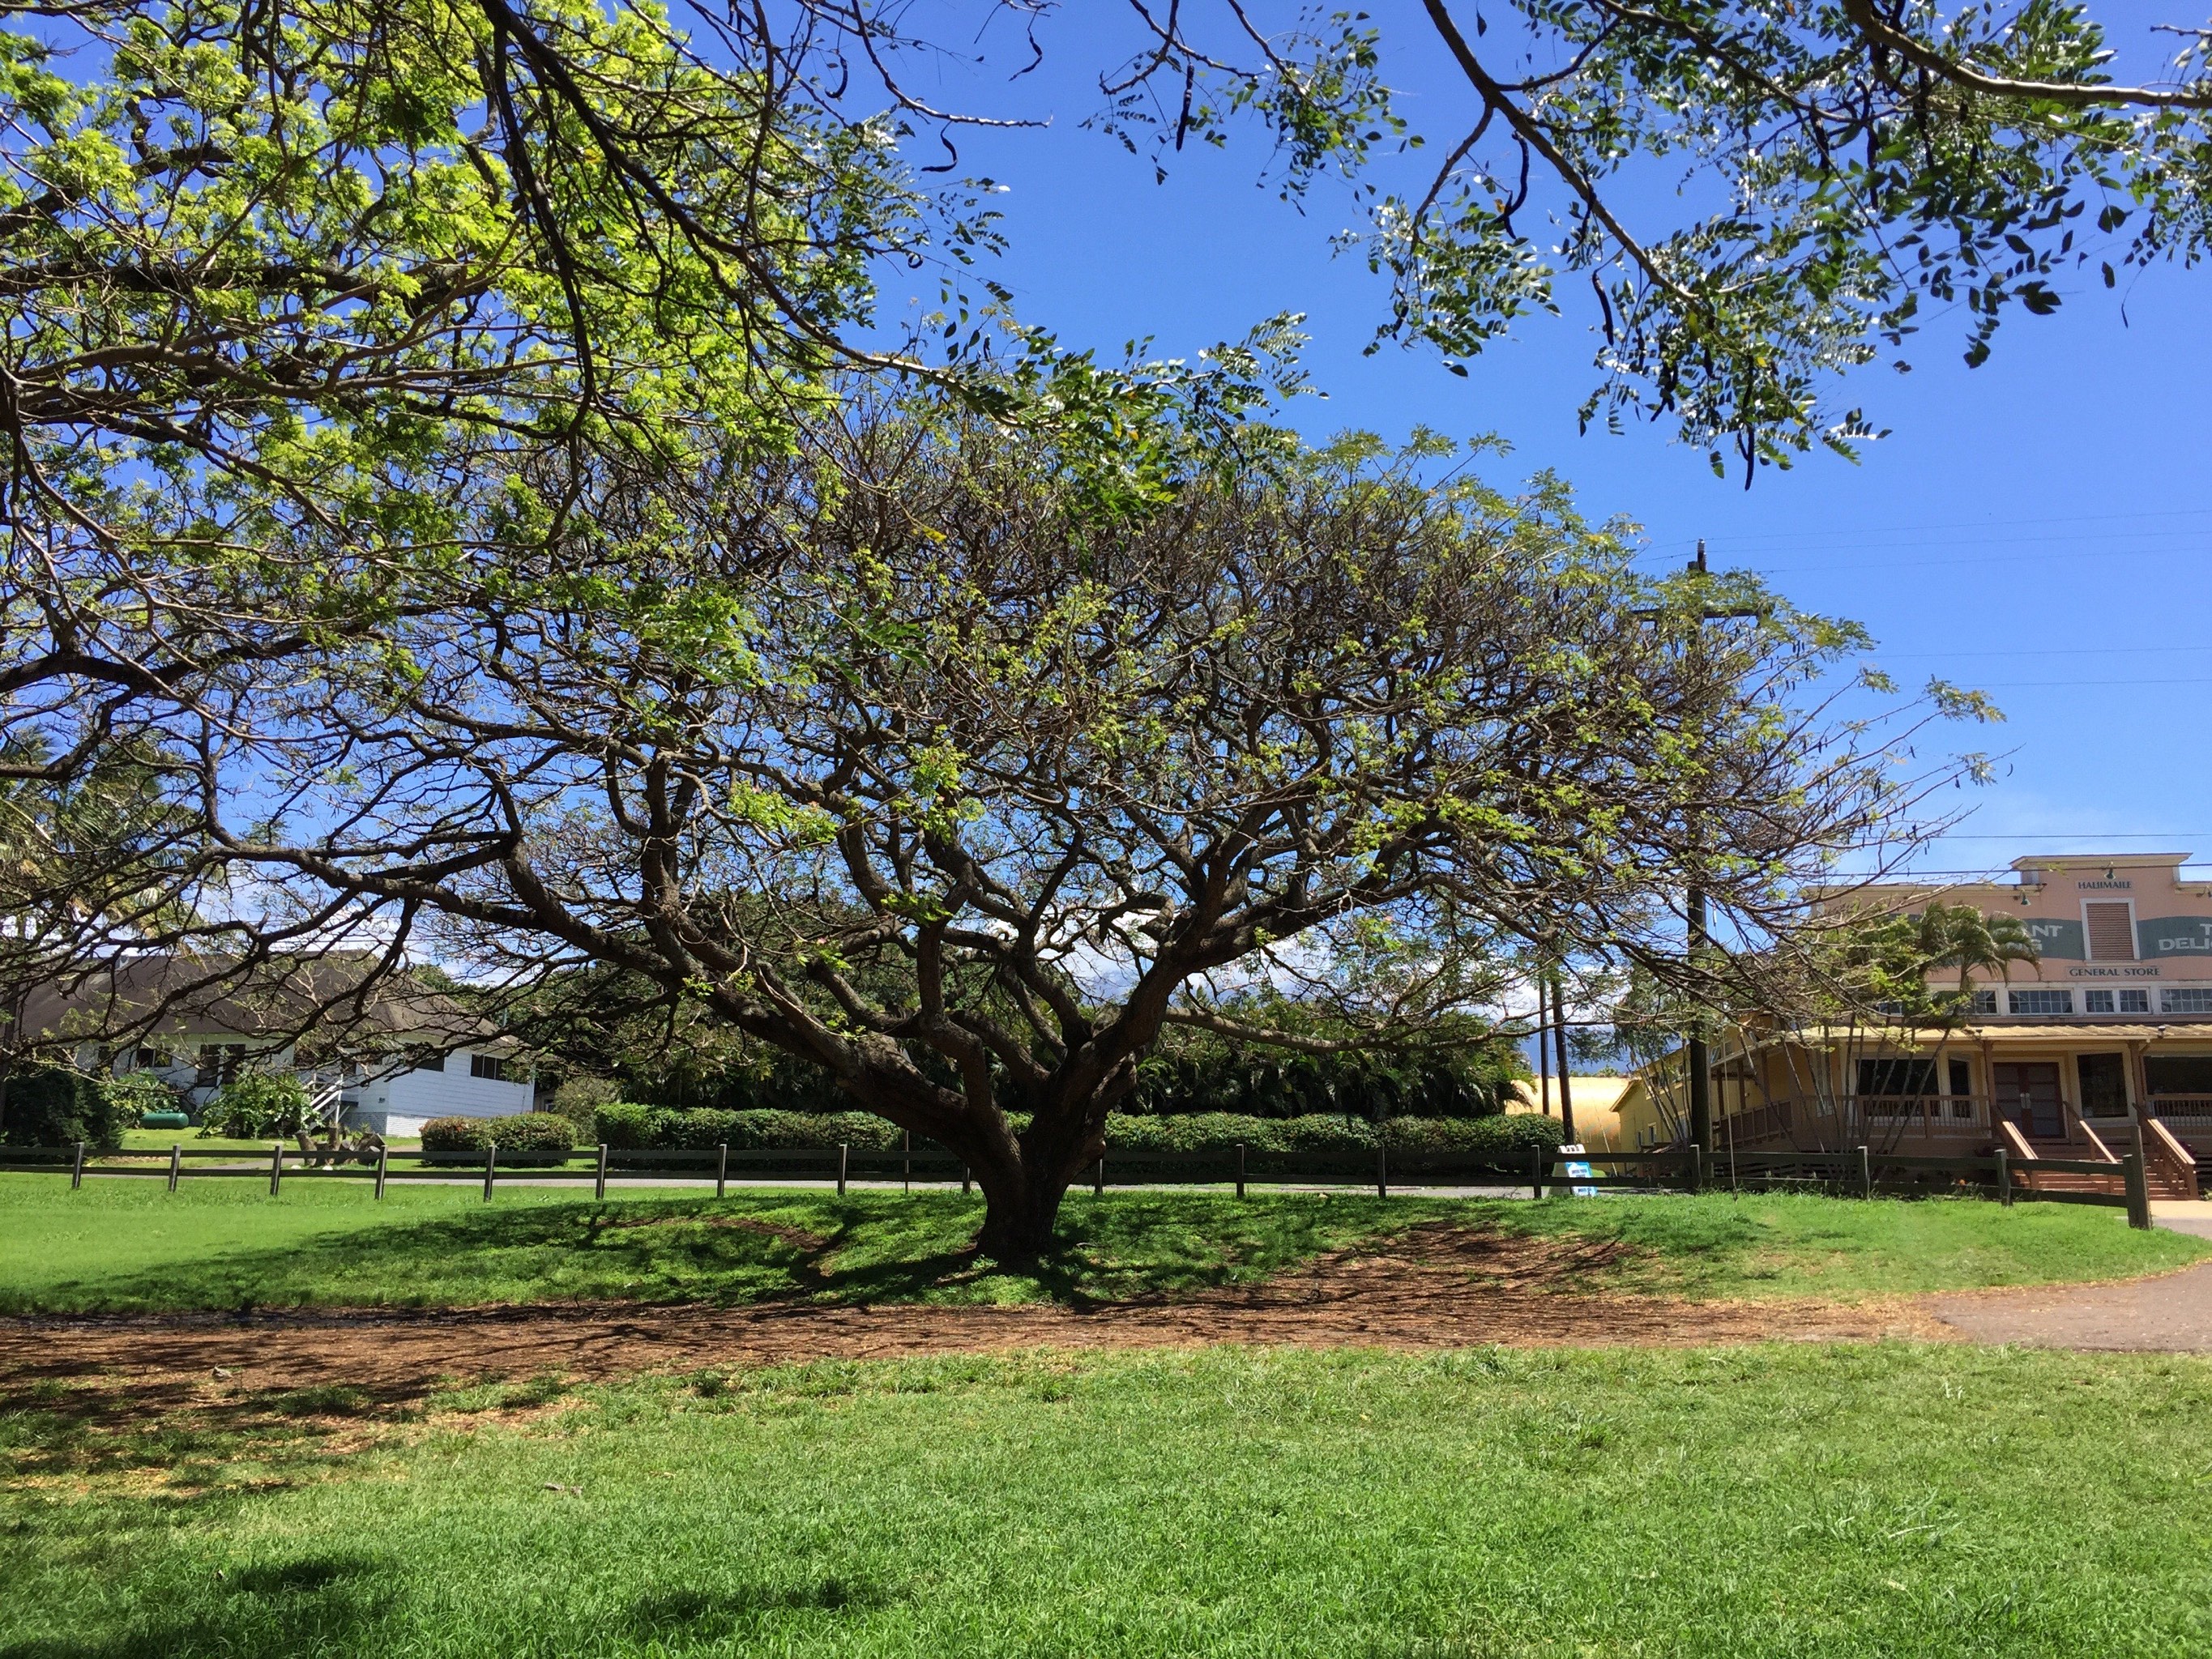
<point x="2116" y="992"/>
<point x="2164" y="990"/>
<point x="2066" y="991"/>
<point x="2135" y="938"/>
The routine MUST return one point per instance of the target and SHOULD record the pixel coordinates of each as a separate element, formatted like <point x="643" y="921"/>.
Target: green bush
<point x="526" y="1132"/>
<point x="629" y="1127"/>
<point x="57" y="1106"/>
<point x="132" y="1097"/>
<point x="1508" y="1140"/>
<point x="256" y="1104"/>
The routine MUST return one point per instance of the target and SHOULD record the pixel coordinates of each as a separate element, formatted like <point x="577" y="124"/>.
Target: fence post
<point x="276" y="1166"/>
<point x="1382" y="1168"/>
<point x="382" y="1154"/>
<point x="1240" y="1168"/>
<point x="491" y="1161"/>
<point x="599" y="1186"/>
<point x="2138" y="1181"/>
<point x="843" y="1148"/>
<point x="176" y="1164"/>
<point x="967" y="1181"/>
<point x="1099" y="1178"/>
<point x="76" y="1169"/>
<point x="1866" y="1173"/>
<point x="2004" y="1179"/>
<point x="906" y="1161"/>
<point x="722" y="1168"/>
<point x="1536" y="1171"/>
<point x="1697" y="1168"/>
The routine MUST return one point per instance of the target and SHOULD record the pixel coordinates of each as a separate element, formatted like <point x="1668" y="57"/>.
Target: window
<point x="2178" y="1074"/>
<point x="1896" y="1077"/>
<point x="2104" y="1084"/>
<point x="1985" y="1002"/>
<point x="2115" y="1002"/>
<point x="2042" y="1002"/>
<point x="2185" y="1002"/>
<point x="219" y="1063"/>
<point x="150" y="1059"/>
<point x="488" y="1066"/>
<point x="2112" y="930"/>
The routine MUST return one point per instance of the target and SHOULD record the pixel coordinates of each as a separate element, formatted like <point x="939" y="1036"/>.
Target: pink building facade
<point x="2104" y="1041"/>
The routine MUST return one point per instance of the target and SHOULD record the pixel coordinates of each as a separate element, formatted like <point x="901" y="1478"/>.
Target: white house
<point x="398" y="1053"/>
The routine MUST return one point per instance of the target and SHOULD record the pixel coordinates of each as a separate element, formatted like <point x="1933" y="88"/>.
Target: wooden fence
<point x="1856" y="1173"/>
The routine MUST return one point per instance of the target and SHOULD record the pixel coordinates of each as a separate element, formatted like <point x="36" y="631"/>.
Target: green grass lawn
<point x="1782" y="1501"/>
<point x="122" y="1245"/>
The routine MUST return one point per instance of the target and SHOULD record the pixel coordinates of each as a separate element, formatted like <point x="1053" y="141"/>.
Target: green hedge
<point x="55" y="1106"/>
<point x="627" y="1127"/>
<point x="526" y="1132"/>
<point x="1508" y="1140"/>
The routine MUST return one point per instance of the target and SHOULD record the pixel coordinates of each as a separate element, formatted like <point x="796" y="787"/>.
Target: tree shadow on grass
<point x="316" y="1604"/>
<point x="864" y="1249"/>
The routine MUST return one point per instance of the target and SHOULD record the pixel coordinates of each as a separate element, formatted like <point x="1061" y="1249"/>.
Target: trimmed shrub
<point x="55" y="1106"/>
<point x="527" y="1132"/>
<point x="1507" y="1139"/>
<point x="626" y="1126"/>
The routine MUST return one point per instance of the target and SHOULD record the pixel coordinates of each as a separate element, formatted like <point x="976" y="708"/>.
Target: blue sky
<point x="2038" y="527"/>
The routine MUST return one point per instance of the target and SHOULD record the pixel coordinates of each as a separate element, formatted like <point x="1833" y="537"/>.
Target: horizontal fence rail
<point x="1858" y="1172"/>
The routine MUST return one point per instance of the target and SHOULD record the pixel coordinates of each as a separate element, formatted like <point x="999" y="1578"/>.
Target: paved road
<point x="2172" y="1314"/>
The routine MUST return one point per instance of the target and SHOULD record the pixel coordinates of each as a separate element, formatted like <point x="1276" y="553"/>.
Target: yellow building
<point x="1604" y="1106"/>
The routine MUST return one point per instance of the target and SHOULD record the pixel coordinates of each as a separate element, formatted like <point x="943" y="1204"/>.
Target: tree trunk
<point x="1022" y="1186"/>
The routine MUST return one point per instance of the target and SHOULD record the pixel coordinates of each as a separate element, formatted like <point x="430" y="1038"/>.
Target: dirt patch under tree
<point x="1432" y="1286"/>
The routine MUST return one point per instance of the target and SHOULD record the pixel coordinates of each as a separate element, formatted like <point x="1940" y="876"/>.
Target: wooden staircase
<point x="2169" y="1170"/>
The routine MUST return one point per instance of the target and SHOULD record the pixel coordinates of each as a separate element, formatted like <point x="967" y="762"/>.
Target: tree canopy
<point x="907" y="759"/>
<point x="1756" y="196"/>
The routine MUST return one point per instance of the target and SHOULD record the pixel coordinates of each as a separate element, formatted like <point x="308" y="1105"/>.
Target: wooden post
<point x="1240" y="1168"/>
<point x="842" y="1149"/>
<point x="1697" y="1168"/>
<point x="76" y="1169"/>
<point x="382" y="1154"/>
<point x="967" y="1181"/>
<point x="176" y="1164"/>
<point x="1866" y="1173"/>
<point x="1382" y="1165"/>
<point x="1099" y="1178"/>
<point x="2004" y="1179"/>
<point x="1536" y="1170"/>
<point x="599" y="1186"/>
<point x="722" y="1168"/>
<point x="906" y="1161"/>
<point x="2138" y="1182"/>
<point x="276" y="1166"/>
<point x="491" y="1161"/>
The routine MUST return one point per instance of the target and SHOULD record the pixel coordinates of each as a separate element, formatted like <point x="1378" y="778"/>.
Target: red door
<point x="2026" y="1092"/>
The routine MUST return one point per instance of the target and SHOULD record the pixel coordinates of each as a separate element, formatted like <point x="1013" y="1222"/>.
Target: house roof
<point x="174" y="996"/>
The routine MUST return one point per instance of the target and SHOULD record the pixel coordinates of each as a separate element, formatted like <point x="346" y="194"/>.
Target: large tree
<point x="941" y="764"/>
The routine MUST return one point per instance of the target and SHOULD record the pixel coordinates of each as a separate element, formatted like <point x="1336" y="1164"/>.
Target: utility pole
<point x="1559" y="1035"/>
<point x="1543" y="1052"/>
<point x="1694" y="1051"/>
<point x="1700" y="1063"/>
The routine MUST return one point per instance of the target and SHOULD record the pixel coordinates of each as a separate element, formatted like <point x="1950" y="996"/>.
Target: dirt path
<point x="2171" y="1314"/>
<point x="1433" y="1288"/>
